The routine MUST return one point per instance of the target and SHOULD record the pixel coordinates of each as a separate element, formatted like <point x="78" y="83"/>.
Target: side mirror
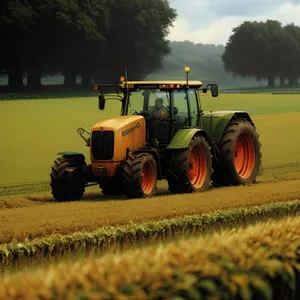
<point x="214" y="90"/>
<point x="101" y="101"/>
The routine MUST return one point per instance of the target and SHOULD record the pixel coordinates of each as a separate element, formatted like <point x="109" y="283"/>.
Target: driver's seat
<point x="158" y="129"/>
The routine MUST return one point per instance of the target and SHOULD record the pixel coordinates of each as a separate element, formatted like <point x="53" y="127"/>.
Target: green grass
<point x="253" y="103"/>
<point x="34" y="131"/>
<point x="46" y="94"/>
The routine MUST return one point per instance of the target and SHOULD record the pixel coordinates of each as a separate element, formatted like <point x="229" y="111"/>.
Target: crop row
<point x="57" y="246"/>
<point x="259" y="262"/>
<point x="87" y="215"/>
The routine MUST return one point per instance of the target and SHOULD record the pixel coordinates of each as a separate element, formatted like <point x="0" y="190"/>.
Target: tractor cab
<point x="167" y="106"/>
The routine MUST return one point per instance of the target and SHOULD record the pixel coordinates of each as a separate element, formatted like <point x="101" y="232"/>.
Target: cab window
<point x="180" y="105"/>
<point x="193" y="107"/>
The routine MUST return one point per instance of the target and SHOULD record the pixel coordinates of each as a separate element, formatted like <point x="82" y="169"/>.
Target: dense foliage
<point x="264" y="50"/>
<point x="95" y="39"/>
<point x="87" y="38"/>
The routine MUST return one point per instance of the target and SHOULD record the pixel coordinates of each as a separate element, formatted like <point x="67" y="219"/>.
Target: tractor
<point x="162" y="133"/>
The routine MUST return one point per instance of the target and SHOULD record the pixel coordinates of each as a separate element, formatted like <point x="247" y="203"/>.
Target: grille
<point x="103" y="145"/>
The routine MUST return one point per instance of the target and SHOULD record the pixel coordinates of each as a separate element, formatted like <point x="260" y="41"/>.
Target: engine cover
<point x="111" y="138"/>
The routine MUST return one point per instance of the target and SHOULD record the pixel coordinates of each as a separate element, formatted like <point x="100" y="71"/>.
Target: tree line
<point x="95" y="39"/>
<point x="264" y="50"/>
<point x="205" y="62"/>
<point x="90" y="38"/>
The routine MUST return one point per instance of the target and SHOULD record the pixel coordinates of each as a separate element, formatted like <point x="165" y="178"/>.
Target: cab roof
<point x="162" y="83"/>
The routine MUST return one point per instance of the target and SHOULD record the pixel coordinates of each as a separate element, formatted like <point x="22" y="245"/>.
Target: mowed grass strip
<point x="17" y="255"/>
<point x="65" y="218"/>
<point x="24" y="196"/>
<point x="259" y="262"/>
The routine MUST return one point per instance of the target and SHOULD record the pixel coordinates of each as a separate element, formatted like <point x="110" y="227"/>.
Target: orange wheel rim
<point x="244" y="155"/>
<point x="148" y="178"/>
<point x="197" y="168"/>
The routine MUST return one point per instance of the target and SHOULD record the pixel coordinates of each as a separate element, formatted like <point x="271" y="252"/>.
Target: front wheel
<point x="239" y="156"/>
<point x="140" y="176"/>
<point x="66" y="186"/>
<point x="191" y="168"/>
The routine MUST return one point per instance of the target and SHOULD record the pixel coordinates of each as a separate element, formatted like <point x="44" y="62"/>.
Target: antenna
<point x="127" y="88"/>
<point x="187" y="71"/>
<point x="126" y="75"/>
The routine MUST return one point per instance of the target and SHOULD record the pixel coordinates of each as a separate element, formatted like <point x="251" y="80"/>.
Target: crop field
<point x="234" y="242"/>
<point x="260" y="262"/>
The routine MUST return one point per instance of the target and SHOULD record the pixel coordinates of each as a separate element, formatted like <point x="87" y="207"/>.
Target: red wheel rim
<point x="148" y="178"/>
<point x="244" y="155"/>
<point x="197" y="168"/>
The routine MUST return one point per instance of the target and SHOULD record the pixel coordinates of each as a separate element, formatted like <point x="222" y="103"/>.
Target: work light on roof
<point x="187" y="69"/>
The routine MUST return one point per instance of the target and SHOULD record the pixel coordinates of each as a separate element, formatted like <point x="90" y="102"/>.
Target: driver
<point x="158" y="110"/>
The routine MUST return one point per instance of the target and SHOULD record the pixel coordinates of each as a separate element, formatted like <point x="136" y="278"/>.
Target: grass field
<point x="34" y="131"/>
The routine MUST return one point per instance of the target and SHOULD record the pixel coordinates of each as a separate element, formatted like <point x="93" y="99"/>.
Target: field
<point x="34" y="131"/>
<point x="222" y="266"/>
<point x="248" y="235"/>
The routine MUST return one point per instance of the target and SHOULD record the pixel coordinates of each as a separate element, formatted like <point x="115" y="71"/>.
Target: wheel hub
<point x="244" y="155"/>
<point x="197" y="167"/>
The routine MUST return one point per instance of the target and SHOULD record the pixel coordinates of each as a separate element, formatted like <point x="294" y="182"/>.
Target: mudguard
<point x="214" y="123"/>
<point x="183" y="137"/>
<point x="70" y="153"/>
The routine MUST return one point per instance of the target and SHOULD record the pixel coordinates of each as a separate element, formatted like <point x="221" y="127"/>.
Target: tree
<point x="136" y="38"/>
<point x="16" y="20"/>
<point x="62" y="35"/>
<point x="93" y="38"/>
<point x="257" y="49"/>
<point x="292" y="55"/>
<point x="45" y="37"/>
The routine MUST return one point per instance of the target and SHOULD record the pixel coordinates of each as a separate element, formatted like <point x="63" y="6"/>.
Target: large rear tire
<point x="239" y="156"/>
<point x="140" y="176"/>
<point x="65" y="187"/>
<point x="191" y="168"/>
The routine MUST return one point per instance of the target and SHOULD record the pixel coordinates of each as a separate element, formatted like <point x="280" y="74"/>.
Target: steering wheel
<point x="144" y="113"/>
<point x="134" y="111"/>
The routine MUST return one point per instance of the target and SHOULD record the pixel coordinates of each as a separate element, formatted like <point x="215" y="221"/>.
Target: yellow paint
<point x="187" y="69"/>
<point x="133" y="139"/>
<point x="192" y="83"/>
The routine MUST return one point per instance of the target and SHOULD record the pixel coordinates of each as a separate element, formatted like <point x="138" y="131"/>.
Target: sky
<point x="211" y="22"/>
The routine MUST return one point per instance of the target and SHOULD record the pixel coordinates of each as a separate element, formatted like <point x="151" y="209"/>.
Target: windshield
<point x="145" y="99"/>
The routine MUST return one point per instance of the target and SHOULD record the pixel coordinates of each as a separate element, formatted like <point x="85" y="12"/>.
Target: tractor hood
<point x="118" y="123"/>
<point x="112" y="138"/>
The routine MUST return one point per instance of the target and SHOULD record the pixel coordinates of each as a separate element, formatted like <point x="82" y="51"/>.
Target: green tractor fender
<point x="214" y="123"/>
<point x="183" y="137"/>
<point x="70" y="153"/>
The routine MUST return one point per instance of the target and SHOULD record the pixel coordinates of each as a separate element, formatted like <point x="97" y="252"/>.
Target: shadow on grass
<point x="93" y="197"/>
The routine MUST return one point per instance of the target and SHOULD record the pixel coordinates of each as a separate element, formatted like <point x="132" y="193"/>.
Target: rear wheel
<point x="191" y="168"/>
<point x="66" y="186"/>
<point x="239" y="156"/>
<point x="140" y="176"/>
